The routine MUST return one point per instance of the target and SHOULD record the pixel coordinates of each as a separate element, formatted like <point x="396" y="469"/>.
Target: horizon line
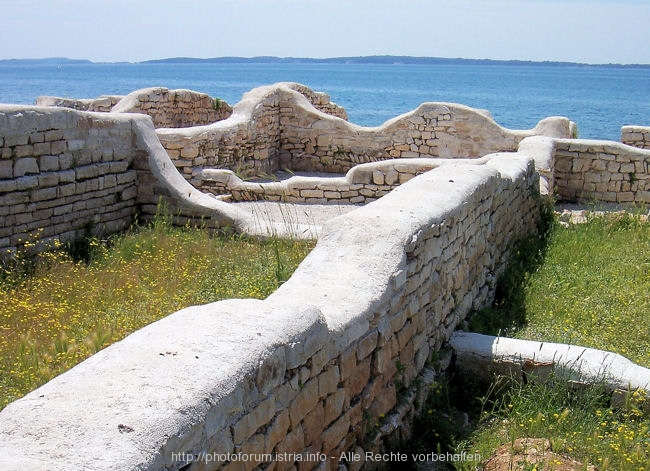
<point x="387" y="59"/>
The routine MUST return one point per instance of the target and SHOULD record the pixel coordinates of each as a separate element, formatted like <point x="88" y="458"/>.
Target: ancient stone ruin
<point x="338" y="359"/>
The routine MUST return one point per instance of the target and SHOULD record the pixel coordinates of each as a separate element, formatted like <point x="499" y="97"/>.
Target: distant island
<point x="383" y="59"/>
<point x="46" y="61"/>
<point x="380" y="59"/>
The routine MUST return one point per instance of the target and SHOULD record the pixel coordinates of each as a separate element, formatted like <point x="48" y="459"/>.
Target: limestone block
<point x="294" y="442"/>
<point x="336" y="433"/>
<point x="367" y="345"/>
<point x="7" y="186"/>
<point x="304" y="402"/>
<point x="313" y="424"/>
<point x="333" y="406"/>
<point x="391" y="177"/>
<point x="48" y="179"/>
<point x="355" y="383"/>
<point x="627" y="168"/>
<point x="625" y="197"/>
<point x="277" y="431"/>
<point x="384" y="401"/>
<point x="328" y="381"/>
<point x="26" y="183"/>
<point x="254" y="449"/>
<point x="25" y="166"/>
<point x="348" y="363"/>
<point x="6" y="169"/>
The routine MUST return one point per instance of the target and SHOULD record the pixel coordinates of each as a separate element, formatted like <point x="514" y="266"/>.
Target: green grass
<point x="587" y="284"/>
<point x="593" y="288"/>
<point x="57" y="311"/>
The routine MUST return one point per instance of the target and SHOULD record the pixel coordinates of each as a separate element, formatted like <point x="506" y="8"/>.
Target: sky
<point x="587" y="31"/>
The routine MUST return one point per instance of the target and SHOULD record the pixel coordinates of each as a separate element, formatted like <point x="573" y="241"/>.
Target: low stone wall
<point x="64" y="174"/>
<point x="636" y="136"/>
<point x="485" y="356"/>
<point x="248" y="143"/>
<point x="607" y="171"/>
<point x="174" y="108"/>
<point x="277" y="127"/>
<point x="321" y="101"/>
<point x="331" y="362"/>
<point x="362" y="184"/>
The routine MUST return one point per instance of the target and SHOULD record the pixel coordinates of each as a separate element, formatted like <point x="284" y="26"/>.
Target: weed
<point x="58" y="309"/>
<point x="584" y="285"/>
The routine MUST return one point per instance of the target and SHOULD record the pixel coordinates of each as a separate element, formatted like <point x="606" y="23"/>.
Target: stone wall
<point x="363" y="183"/>
<point x="607" y="171"/>
<point x="249" y="143"/>
<point x="277" y="127"/>
<point x="64" y="174"/>
<point x="331" y="362"/>
<point x="636" y="136"/>
<point x="174" y="108"/>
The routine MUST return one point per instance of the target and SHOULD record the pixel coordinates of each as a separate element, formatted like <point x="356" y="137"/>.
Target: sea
<point x="600" y="99"/>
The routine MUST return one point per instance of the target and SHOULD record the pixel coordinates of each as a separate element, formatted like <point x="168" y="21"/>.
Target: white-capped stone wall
<point x="277" y="127"/>
<point x="363" y="183"/>
<point x="66" y="174"/>
<point x="331" y="362"/>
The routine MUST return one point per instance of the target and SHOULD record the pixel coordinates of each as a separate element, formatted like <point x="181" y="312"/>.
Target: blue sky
<point x="591" y="31"/>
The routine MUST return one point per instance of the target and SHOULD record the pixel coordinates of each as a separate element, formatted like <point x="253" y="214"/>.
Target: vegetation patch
<point x="58" y="309"/>
<point x="585" y="284"/>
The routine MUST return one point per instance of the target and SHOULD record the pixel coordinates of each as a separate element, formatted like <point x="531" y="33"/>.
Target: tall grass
<point x="57" y="310"/>
<point x="587" y="284"/>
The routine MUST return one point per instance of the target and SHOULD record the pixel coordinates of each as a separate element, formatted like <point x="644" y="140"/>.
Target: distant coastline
<point x="380" y="59"/>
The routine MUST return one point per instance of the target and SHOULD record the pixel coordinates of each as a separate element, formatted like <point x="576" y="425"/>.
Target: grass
<point x="592" y="289"/>
<point x="58" y="310"/>
<point x="587" y="285"/>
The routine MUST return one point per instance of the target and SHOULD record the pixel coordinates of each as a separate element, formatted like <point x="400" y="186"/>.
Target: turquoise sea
<point x="600" y="99"/>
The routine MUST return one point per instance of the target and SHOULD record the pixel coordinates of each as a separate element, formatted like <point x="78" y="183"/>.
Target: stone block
<point x="294" y="442"/>
<point x="304" y="402"/>
<point x="348" y="363"/>
<point x="336" y="433"/>
<point x="87" y="171"/>
<point x="254" y="449"/>
<point x="76" y="144"/>
<point x="25" y="166"/>
<point x="366" y="345"/>
<point x="277" y="431"/>
<point x="26" y="183"/>
<point x="6" y="169"/>
<point x="355" y="383"/>
<point x="313" y="424"/>
<point x="252" y="421"/>
<point x="334" y="406"/>
<point x="271" y="372"/>
<point x="328" y="381"/>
